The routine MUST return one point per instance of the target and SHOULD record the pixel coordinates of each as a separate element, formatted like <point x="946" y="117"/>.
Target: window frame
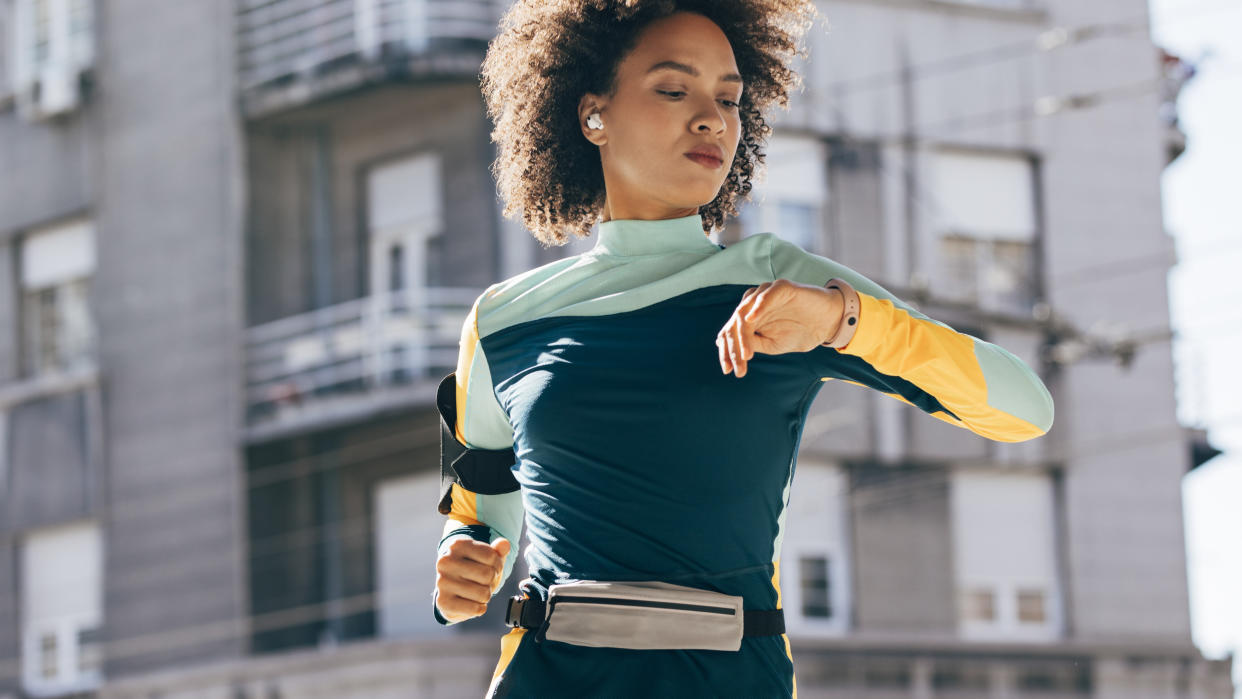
<point x="28" y="291"/>
<point x="1006" y="623"/>
<point x="944" y="227"/>
<point x="792" y="554"/>
<point x="66" y="627"/>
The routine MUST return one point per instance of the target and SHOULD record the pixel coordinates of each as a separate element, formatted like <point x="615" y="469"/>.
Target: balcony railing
<point x="316" y="362"/>
<point x="279" y="39"/>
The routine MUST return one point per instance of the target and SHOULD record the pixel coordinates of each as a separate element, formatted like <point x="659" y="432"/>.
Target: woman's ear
<point x="588" y="105"/>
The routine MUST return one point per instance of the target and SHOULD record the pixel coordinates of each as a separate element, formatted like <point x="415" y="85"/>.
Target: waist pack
<point x="642" y="615"/>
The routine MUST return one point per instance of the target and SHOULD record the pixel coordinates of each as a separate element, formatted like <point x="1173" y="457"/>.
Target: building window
<point x="62" y="610"/>
<point x="815" y="586"/>
<point x="814" y="574"/>
<point x="1031" y="606"/>
<point x="1004" y="537"/>
<point x="979" y="604"/>
<point x="789" y="198"/>
<point x="56" y="268"/>
<point x="404" y="211"/>
<point x="53" y="42"/>
<point x="985" y="223"/>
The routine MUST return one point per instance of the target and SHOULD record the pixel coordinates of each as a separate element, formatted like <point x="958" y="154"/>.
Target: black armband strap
<point x="483" y="471"/>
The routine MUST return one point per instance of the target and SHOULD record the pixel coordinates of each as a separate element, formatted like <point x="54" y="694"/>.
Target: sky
<point x="1202" y="192"/>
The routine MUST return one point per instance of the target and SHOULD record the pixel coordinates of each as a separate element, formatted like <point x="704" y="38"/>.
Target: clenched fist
<point x="467" y="576"/>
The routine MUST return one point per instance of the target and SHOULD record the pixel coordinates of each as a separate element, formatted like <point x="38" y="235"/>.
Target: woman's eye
<point x="676" y="94"/>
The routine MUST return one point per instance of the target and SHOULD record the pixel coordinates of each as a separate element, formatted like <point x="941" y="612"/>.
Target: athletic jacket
<point x="637" y="459"/>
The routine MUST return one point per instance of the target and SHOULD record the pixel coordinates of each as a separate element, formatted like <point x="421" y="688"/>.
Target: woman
<point x="651" y="392"/>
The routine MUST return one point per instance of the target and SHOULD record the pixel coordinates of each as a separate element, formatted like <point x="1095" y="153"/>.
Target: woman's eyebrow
<point x="674" y="65"/>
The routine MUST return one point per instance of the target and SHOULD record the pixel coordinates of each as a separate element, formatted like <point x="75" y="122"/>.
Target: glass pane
<point x="396" y="267"/>
<point x="42" y="31"/>
<point x="88" y="650"/>
<point x="47" y="655"/>
<point x="814" y="584"/>
<point x="959" y="269"/>
<point x="79" y="16"/>
<point x="41" y="329"/>
<point x="978" y="605"/>
<point x="1031" y="606"/>
<point x="75" y="317"/>
<point x="59" y="334"/>
<point x="1011" y="275"/>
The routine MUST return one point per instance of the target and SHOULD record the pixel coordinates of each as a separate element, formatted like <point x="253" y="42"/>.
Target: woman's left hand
<point x="778" y="317"/>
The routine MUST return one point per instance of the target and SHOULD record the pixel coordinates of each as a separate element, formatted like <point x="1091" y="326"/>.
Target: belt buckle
<point x="513" y="612"/>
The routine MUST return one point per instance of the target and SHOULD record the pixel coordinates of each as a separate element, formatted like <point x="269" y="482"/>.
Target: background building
<point x="237" y="241"/>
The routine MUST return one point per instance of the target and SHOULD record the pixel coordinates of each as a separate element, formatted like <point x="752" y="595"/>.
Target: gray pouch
<point x="643" y="615"/>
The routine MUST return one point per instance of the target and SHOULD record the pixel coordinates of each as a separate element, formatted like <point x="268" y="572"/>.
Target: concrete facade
<point x="243" y="557"/>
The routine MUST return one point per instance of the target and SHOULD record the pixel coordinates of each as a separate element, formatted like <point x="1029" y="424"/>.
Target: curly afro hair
<point x="550" y="52"/>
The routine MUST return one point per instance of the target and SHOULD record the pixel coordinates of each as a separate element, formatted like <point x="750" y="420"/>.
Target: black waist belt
<point x="528" y="612"/>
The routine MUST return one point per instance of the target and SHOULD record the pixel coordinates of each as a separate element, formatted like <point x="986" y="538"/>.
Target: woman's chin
<point x="698" y="196"/>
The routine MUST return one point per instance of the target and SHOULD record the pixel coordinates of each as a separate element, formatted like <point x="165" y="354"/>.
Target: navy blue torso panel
<point x="637" y="457"/>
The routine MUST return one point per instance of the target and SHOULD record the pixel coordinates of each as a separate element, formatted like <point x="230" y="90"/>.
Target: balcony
<point x="346" y="362"/>
<point x="292" y="52"/>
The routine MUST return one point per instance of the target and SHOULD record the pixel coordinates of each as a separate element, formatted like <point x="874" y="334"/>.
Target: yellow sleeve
<point x="901" y="352"/>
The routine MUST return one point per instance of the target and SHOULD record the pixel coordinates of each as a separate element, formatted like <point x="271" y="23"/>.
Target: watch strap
<point x="849" y="316"/>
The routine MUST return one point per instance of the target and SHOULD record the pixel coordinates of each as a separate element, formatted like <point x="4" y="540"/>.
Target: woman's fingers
<point x="466" y="569"/>
<point x="457" y="608"/>
<point x="733" y="341"/>
<point x="723" y="348"/>
<point x="741" y="346"/>
<point x="466" y="590"/>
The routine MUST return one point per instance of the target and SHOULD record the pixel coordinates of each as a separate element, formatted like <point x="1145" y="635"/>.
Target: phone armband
<point x="483" y="471"/>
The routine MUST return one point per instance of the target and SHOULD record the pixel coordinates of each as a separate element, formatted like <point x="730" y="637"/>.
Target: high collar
<point x="629" y="236"/>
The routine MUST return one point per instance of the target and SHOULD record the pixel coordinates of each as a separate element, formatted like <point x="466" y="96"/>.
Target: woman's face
<point x="678" y="89"/>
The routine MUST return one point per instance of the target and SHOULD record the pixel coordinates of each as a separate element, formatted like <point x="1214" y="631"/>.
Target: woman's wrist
<point x="848" y="322"/>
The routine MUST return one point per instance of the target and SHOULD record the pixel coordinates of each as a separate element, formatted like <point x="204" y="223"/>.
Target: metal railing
<point x="282" y="38"/>
<point x="352" y="349"/>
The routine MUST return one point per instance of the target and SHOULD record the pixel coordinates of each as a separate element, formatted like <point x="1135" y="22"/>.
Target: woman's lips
<point x="705" y="160"/>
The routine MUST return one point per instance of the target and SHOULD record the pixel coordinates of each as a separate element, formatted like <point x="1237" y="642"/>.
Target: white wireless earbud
<point x="594" y="121"/>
